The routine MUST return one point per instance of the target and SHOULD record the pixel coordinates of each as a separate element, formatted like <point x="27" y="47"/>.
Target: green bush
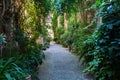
<point x="65" y="39"/>
<point x="59" y="31"/>
<point x="77" y="35"/>
<point x="19" y="66"/>
<point x="74" y="36"/>
<point x="87" y="50"/>
<point x="48" y="39"/>
<point x="22" y="40"/>
<point x="9" y="70"/>
<point x="102" y="51"/>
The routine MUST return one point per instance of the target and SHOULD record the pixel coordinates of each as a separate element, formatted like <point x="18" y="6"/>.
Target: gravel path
<point x="60" y="64"/>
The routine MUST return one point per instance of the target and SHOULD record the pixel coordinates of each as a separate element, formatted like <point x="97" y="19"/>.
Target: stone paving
<point x="60" y="64"/>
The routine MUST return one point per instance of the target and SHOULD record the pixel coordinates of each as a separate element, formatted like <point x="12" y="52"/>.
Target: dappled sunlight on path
<point x="60" y="64"/>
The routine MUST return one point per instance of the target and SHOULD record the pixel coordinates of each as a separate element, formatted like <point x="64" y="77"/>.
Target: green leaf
<point x="6" y="65"/>
<point x="8" y="76"/>
<point x="110" y="26"/>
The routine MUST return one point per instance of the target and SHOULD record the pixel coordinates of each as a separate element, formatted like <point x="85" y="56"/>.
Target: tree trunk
<point x="65" y="21"/>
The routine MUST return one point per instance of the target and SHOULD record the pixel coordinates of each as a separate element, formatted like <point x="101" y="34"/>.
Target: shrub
<point x="9" y="70"/>
<point x="65" y="39"/>
<point x="78" y="35"/>
<point x="103" y="55"/>
<point x="59" y="31"/>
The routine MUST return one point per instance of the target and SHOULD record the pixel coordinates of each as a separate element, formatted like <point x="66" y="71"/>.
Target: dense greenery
<point x="98" y="48"/>
<point x="23" y="25"/>
<point x="73" y="20"/>
<point x="101" y="51"/>
<point x="89" y="28"/>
